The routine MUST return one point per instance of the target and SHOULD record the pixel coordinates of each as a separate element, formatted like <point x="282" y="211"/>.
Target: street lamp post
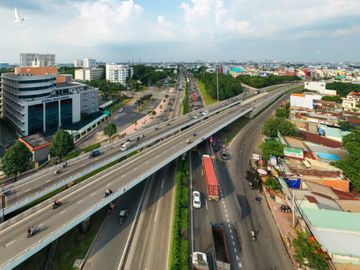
<point x="217" y="83"/>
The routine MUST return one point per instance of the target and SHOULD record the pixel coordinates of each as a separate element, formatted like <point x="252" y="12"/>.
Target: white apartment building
<point x="319" y="87"/>
<point x="85" y="63"/>
<point x="303" y="101"/>
<point x="89" y="74"/>
<point x="89" y="63"/>
<point x="37" y="60"/>
<point x="351" y="102"/>
<point x="78" y="63"/>
<point x="37" y="100"/>
<point x="118" y="73"/>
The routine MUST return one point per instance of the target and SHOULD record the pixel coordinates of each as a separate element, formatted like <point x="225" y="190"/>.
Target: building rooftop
<point x="333" y="220"/>
<point x="35" y="141"/>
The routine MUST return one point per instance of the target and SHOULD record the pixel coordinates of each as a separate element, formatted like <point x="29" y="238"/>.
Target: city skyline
<point x="209" y="30"/>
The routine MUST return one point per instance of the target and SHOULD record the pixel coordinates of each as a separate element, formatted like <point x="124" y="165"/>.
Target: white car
<point x="196" y="199"/>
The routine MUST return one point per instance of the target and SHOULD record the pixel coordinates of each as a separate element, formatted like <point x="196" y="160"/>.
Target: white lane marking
<point x="80" y="201"/>
<point x="26" y="190"/>
<point x="62" y="212"/>
<point x="42" y="224"/>
<point x="233" y="243"/>
<point x="156" y="212"/>
<point x="108" y="184"/>
<point x="223" y="202"/>
<point x="206" y="205"/>
<point x="232" y="237"/>
<point x="162" y="183"/>
<point x="237" y="257"/>
<point x="229" y="225"/>
<point x="47" y="181"/>
<point x="92" y="194"/>
<point x="240" y="265"/>
<point x="227" y="216"/>
<point x="10" y="243"/>
<point x="235" y="250"/>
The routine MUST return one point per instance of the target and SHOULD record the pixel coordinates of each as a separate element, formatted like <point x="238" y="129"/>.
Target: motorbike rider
<point x="57" y="202"/>
<point x="108" y="192"/>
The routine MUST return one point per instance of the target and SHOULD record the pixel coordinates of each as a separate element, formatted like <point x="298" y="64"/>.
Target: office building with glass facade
<point x="39" y="103"/>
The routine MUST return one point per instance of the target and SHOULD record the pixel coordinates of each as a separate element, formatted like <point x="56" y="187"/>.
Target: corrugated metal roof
<point x="333" y="220"/>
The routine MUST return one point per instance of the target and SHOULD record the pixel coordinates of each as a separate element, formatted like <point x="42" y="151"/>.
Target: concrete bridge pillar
<point x="85" y="225"/>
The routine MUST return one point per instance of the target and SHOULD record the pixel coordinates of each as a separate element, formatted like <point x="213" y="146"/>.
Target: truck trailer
<point x="211" y="181"/>
<point x="221" y="254"/>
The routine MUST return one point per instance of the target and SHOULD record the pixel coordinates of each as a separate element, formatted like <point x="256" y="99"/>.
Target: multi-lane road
<point x="43" y="182"/>
<point x="238" y="206"/>
<point x="88" y="199"/>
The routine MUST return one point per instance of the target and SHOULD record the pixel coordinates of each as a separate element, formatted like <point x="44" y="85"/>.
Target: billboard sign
<point x="256" y="156"/>
<point x="293" y="152"/>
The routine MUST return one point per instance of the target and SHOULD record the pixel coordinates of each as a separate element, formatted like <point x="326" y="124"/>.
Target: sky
<point x="182" y="30"/>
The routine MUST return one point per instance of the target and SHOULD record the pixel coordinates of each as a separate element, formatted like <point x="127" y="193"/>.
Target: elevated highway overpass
<point x="83" y="200"/>
<point x="27" y="190"/>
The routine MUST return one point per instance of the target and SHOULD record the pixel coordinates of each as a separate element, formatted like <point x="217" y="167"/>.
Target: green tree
<point x="336" y="99"/>
<point x="62" y="144"/>
<point x="275" y="124"/>
<point x="283" y="112"/>
<point x="344" y="125"/>
<point x="271" y="148"/>
<point x="16" y="159"/>
<point x="272" y="183"/>
<point x="351" y="165"/>
<point x="110" y="130"/>
<point x="343" y="89"/>
<point x="309" y="253"/>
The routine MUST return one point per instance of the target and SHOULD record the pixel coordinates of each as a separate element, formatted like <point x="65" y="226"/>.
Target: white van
<point x="125" y="146"/>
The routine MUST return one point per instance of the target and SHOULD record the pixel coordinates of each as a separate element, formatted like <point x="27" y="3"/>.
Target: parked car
<point x="123" y="214"/>
<point x="196" y="199"/>
<point x="94" y="153"/>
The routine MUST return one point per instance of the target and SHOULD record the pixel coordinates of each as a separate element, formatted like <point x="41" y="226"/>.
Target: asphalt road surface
<point x="238" y="206"/>
<point x="13" y="239"/>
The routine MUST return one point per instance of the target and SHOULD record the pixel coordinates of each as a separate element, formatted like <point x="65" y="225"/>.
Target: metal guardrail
<point x="75" y="221"/>
<point x="13" y="262"/>
<point x="19" y="204"/>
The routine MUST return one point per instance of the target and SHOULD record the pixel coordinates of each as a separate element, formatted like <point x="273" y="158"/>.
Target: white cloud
<point x="347" y="31"/>
<point x="101" y="21"/>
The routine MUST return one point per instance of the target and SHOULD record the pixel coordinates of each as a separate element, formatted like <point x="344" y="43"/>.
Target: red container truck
<point x="211" y="181"/>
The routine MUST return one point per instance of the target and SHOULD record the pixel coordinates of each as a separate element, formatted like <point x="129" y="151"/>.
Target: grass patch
<point x="76" y="243"/>
<point x="91" y="147"/>
<point x="179" y="253"/>
<point x="118" y="105"/>
<point x="207" y="98"/>
<point x="186" y="108"/>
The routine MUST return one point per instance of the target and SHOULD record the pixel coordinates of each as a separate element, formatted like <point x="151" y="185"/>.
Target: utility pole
<point x="217" y="83"/>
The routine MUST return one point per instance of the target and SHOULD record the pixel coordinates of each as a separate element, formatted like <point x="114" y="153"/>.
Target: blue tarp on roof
<point x="328" y="156"/>
<point x="292" y="183"/>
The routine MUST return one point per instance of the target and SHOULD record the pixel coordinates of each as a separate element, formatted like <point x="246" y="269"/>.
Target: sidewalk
<point x="283" y="220"/>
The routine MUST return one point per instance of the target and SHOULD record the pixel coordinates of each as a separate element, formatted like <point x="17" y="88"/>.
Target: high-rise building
<point x="78" y="63"/>
<point x="39" y="100"/>
<point x="89" y="74"/>
<point x="118" y="73"/>
<point x="89" y="63"/>
<point x="37" y="60"/>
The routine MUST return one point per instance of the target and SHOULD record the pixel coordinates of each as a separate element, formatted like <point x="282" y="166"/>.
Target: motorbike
<point x="108" y="192"/>
<point x="33" y="230"/>
<point x="253" y="237"/>
<point x="57" y="204"/>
